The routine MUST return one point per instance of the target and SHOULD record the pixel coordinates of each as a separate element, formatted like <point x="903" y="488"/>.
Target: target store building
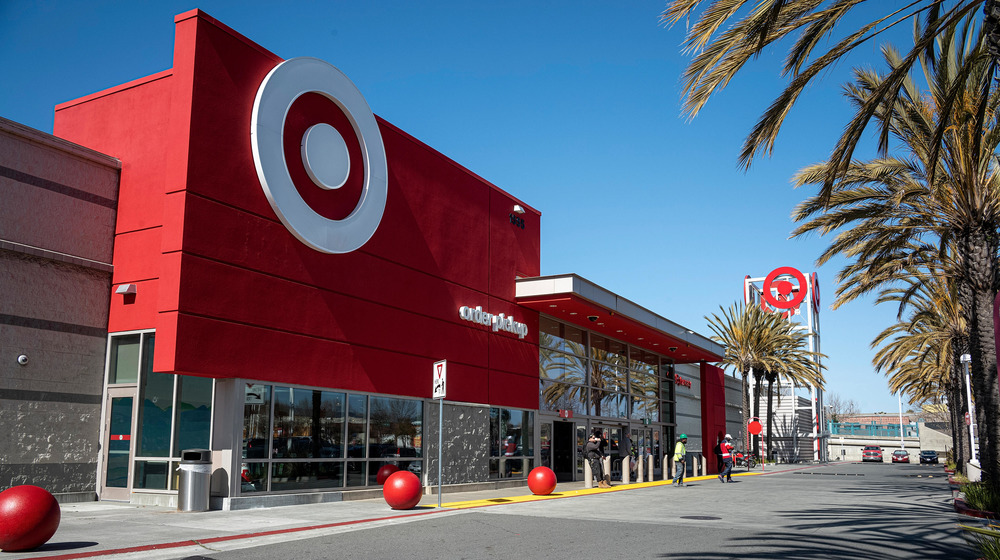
<point x="285" y="269"/>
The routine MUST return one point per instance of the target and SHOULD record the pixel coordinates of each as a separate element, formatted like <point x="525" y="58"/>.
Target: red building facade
<point x="234" y="331"/>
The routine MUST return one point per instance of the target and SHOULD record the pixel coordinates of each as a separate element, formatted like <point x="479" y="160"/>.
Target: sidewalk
<point x="124" y="531"/>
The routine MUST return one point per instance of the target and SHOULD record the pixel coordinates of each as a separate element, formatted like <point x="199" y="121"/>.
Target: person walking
<point x="726" y="451"/>
<point x="680" y="460"/>
<point x="595" y="454"/>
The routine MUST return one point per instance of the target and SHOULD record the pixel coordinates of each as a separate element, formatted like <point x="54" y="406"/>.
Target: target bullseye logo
<point x="790" y="298"/>
<point x="324" y="152"/>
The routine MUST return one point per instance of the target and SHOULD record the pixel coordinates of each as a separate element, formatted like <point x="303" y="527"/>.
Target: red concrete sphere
<point x="541" y="481"/>
<point x="402" y="490"/>
<point x="29" y="516"/>
<point x="384" y="472"/>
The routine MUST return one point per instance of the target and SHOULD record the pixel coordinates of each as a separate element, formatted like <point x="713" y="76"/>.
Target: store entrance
<point x="117" y="454"/>
<point x="564" y="450"/>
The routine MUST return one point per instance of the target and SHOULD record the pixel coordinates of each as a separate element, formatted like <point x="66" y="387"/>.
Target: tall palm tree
<point x="760" y="341"/>
<point x="894" y="213"/>
<point x="727" y="34"/>
<point x="920" y="353"/>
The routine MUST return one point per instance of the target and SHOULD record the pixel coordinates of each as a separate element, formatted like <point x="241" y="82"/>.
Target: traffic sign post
<point x="438" y="391"/>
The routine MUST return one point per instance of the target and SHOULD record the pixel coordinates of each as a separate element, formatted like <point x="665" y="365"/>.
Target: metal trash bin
<point x="195" y="480"/>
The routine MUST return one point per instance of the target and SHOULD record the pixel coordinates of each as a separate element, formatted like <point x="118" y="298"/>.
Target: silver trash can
<point x="195" y="480"/>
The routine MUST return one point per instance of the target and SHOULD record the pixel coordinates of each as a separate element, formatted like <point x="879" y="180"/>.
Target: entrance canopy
<point x="572" y="299"/>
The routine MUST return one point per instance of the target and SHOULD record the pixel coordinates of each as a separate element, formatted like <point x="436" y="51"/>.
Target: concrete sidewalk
<point x="126" y="531"/>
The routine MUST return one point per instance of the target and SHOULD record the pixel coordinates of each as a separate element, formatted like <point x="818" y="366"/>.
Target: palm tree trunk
<point x="957" y="405"/>
<point x="745" y="409"/>
<point x="770" y="413"/>
<point x="976" y="295"/>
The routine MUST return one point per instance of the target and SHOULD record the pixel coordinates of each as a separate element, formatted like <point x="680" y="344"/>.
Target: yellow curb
<point x="572" y="493"/>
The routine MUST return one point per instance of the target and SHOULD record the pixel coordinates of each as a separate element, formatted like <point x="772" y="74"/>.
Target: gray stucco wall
<point x="465" y="441"/>
<point x="57" y="217"/>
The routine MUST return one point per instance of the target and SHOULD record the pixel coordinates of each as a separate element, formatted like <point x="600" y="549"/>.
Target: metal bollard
<point x="626" y="469"/>
<point x="650" y="467"/>
<point x="588" y="474"/>
<point x="638" y="470"/>
<point x="607" y="465"/>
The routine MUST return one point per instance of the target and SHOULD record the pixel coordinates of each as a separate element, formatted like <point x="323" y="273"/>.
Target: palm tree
<point x="763" y="342"/>
<point x="894" y="214"/>
<point x="727" y="34"/>
<point x="921" y="352"/>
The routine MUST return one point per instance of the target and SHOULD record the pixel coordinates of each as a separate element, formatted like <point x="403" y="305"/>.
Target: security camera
<point x="22" y="359"/>
<point x="673" y="348"/>
<point x="593" y="318"/>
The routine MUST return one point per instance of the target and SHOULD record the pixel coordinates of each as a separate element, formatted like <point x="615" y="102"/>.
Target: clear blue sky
<point x="574" y="107"/>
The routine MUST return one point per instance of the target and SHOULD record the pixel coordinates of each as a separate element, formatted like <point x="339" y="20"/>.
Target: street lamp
<point x="966" y="359"/>
<point x="902" y="444"/>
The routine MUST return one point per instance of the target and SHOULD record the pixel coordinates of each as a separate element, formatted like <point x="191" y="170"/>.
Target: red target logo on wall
<point x="319" y="155"/>
<point x="780" y="293"/>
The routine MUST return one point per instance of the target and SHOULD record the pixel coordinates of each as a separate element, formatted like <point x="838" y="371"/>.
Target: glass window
<point x="332" y="419"/>
<point x="609" y="403"/>
<point x="608" y="377"/>
<point x="394" y="427"/>
<point x="644" y="361"/>
<point x="124" y="360"/>
<point x="511" y="438"/>
<point x="608" y="350"/>
<point x="256" y="421"/>
<point x="155" y="414"/>
<point x="357" y="418"/>
<point x="643" y="384"/>
<point x="301" y="476"/>
<point x="253" y="478"/>
<point x="120" y="432"/>
<point x="567" y="368"/>
<point x="644" y="409"/>
<point x="296" y="423"/>
<point x="151" y="475"/>
<point x="560" y="396"/>
<point x="562" y="337"/>
<point x="194" y="413"/>
<point x="545" y="442"/>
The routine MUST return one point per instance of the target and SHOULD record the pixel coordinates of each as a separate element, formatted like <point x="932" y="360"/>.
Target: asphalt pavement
<point x="837" y="510"/>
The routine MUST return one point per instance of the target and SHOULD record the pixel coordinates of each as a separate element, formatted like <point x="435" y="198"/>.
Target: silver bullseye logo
<point x="324" y="152"/>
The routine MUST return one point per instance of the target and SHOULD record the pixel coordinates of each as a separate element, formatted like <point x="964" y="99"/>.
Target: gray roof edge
<point x="623" y="306"/>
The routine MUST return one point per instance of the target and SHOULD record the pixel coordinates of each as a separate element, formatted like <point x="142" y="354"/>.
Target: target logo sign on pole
<point x="789" y="296"/>
<point x="302" y="158"/>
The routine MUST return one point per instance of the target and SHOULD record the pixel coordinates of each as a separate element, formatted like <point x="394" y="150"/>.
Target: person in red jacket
<point x="726" y="449"/>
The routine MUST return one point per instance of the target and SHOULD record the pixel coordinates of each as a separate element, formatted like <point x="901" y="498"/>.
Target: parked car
<point x="900" y="456"/>
<point x="871" y="453"/>
<point x="928" y="456"/>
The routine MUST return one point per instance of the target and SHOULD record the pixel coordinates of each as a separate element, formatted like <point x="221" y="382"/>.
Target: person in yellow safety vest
<point x="680" y="459"/>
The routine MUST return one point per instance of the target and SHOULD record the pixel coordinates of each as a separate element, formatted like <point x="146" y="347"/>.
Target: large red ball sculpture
<point x="541" y="481"/>
<point x="384" y="473"/>
<point x="29" y="516"/>
<point x="402" y="490"/>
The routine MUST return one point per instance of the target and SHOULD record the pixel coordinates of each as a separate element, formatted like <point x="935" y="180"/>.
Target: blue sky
<point x="574" y="107"/>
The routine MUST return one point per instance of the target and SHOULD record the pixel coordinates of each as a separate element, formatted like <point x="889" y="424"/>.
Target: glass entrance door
<point x="564" y="450"/>
<point x="117" y="453"/>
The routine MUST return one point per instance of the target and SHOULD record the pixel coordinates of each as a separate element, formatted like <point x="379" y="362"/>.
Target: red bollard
<point x="541" y="481"/>
<point x="29" y="516"/>
<point x="402" y="490"/>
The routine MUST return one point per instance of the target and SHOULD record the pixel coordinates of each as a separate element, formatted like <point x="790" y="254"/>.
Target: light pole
<point x="902" y="444"/>
<point x="971" y="411"/>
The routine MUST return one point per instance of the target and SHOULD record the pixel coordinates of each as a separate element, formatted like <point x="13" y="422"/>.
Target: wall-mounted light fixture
<point x="126" y="289"/>
<point x="518" y="209"/>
